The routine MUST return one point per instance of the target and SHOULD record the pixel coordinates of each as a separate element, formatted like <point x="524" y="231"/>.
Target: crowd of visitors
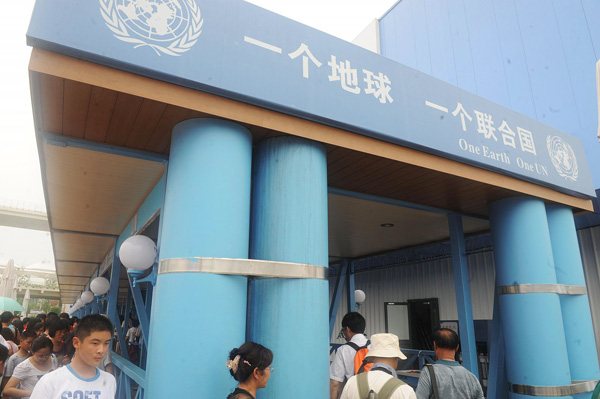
<point x="365" y="369"/>
<point x="55" y="356"/>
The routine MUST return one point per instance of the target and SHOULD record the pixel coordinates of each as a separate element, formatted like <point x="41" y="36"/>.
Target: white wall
<point x="433" y="279"/>
<point x="369" y="37"/>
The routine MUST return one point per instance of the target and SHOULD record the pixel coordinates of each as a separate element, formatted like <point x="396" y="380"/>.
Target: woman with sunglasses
<point x="28" y="373"/>
<point x="250" y="365"/>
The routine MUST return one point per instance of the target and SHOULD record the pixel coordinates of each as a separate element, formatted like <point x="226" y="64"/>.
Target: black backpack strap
<point x="361" y="369"/>
<point x="353" y="346"/>
<point x="434" y="386"/>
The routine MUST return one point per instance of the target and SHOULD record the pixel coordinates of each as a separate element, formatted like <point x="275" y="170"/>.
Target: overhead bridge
<point x="23" y="218"/>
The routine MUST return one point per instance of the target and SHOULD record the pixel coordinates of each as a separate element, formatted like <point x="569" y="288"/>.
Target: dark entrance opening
<point x="424" y="319"/>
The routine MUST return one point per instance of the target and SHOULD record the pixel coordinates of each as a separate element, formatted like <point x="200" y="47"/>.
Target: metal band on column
<point x="576" y="388"/>
<point x="242" y="267"/>
<point x="561" y="289"/>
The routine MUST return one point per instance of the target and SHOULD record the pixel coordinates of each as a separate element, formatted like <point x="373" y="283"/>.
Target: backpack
<point x="386" y="391"/>
<point x="360" y="363"/>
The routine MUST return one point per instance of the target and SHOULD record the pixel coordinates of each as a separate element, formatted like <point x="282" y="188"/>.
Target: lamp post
<point x="99" y="287"/>
<point x="87" y="297"/>
<point x="77" y="305"/>
<point x="359" y="297"/>
<point x="138" y="253"/>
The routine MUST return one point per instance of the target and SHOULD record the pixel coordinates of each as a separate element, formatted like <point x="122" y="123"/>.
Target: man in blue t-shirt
<point x="453" y="380"/>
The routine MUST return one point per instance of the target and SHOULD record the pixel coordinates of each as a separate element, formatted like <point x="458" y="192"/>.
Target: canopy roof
<point x="103" y="137"/>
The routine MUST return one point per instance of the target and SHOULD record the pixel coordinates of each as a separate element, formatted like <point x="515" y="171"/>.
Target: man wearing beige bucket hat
<point x="382" y="378"/>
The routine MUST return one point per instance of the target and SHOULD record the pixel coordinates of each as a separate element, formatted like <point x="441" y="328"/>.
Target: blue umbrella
<point x="10" y="304"/>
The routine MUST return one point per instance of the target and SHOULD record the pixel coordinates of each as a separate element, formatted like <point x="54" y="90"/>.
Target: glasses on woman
<point x="270" y="369"/>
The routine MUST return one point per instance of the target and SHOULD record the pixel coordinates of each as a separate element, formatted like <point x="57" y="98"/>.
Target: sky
<point x="20" y="177"/>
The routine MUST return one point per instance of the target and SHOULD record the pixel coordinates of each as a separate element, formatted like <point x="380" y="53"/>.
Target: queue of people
<point x="444" y="379"/>
<point x="365" y="369"/>
<point x="55" y="356"/>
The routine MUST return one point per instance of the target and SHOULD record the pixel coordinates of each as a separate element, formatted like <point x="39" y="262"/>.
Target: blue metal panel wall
<point x="589" y="244"/>
<point x="124" y="235"/>
<point x="536" y="57"/>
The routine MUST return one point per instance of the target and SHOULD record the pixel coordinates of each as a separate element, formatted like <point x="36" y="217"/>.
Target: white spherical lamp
<point x="100" y="286"/>
<point x="137" y="253"/>
<point x="359" y="296"/>
<point x="87" y="297"/>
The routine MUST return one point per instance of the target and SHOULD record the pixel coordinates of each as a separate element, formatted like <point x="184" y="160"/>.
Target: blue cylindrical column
<point x="577" y="319"/>
<point x="536" y="352"/>
<point x="289" y="224"/>
<point x="206" y="214"/>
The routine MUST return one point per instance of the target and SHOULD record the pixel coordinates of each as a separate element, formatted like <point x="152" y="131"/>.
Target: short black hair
<point x="7" y="334"/>
<point x="3" y="353"/>
<point x="445" y="338"/>
<point x="28" y="334"/>
<point x="64" y="316"/>
<point x="41" y="316"/>
<point x="51" y="317"/>
<point x="32" y="322"/>
<point x="57" y="325"/>
<point x="355" y="322"/>
<point x="251" y="356"/>
<point x="6" y="317"/>
<point x="41" y="343"/>
<point x="91" y="323"/>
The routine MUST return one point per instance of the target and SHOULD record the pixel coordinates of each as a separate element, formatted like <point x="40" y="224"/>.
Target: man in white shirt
<point x="342" y="367"/>
<point x="82" y="378"/>
<point x="382" y="378"/>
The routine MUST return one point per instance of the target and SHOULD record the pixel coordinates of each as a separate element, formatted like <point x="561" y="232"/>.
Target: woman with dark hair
<point x="250" y="365"/>
<point x="19" y="330"/>
<point x="57" y="331"/>
<point x="36" y="325"/>
<point x="28" y="373"/>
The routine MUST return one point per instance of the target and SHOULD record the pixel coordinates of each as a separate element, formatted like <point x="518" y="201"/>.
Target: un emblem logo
<point x="166" y="26"/>
<point x="563" y="157"/>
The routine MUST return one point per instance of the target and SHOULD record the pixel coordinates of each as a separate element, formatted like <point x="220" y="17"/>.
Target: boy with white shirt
<point x="342" y="367"/>
<point x="82" y="378"/>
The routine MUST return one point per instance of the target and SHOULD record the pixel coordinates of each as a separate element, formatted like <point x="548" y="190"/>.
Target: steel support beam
<point x="337" y="295"/>
<point x="350" y="287"/>
<point x="460" y="269"/>
<point x="63" y="141"/>
<point x="497" y="388"/>
<point x="140" y="309"/>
